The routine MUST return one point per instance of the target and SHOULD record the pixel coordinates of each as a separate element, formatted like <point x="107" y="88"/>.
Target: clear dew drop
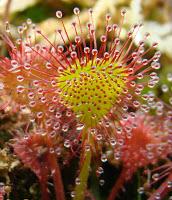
<point x="52" y="134"/>
<point x="30" y="95"/>
<point x="80" y="126"/>
<point x="170" y="100"/>
<point x="20" y="89"/>
<point x="72" y="194"/>
<point x="51" y="108"/>
<point x="43" y="99"/>
<point x="93" y="131"/>
<point x="2" y="184"/>
<point x="103" y="158"/>
<point x="48" y="122"/>
<point x="101" y="182"/>
<point x="39" y="115"/>
<point x="7" y="28"/>
<point x="26" y="137"/>
<point x="112" y="142"/>
<point x="155" y="176"/>
<point x="54" y="99"/>
<point x="48" y="65"/>
<point x="157" y="196"/>
<point x="99" y="137"/>
<point x="68" y="113"/>
<point x="159" y="105"/>
<point x="56" y="126"/>
<point x="121" y="142"/>
<point x="169" y="184"/>
<point x="1" y="86"/>
<point x="20" y="78"/>
<point x="65" y="127"/>
<point x="76" y="11"/>
<point x="58" y="115"/>
<point x="59" y="14"/>
<point x="67" y="144"/>
<point x="155" y="65"/>
<point x="164" y="88"/>
<point x="23" y="108"/>
<point x="58" y="151"/>
<point x="87" y="147"/>
<point x="32" y="104"/>
<point x="123" y="12"/>
<point x="140" y="190"/>
<point x="159" y="112"/>
<point x="51" y="150"/>
<point x="53" y="83"/>
<point x="118" y="130"/>
<point x="107" y="124"/>
<point x="125" y="117"/>
<point x="151" y="84"/>
<point x="150" y="155"/>
<point x="169" y="77"/>
<point x="29" y="21"/>
<point x="20" y="29"/>
<point x="35" y="83"/>
<point x="14" y="63"/>
<point x="77" y="181"/>
<point x="117" y="155"/>
<point x="100" y="170"/>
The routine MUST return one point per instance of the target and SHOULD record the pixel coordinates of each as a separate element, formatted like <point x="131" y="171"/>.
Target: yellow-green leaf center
<point x="91" y="91"/>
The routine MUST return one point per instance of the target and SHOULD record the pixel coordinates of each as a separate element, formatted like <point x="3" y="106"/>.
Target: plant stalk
<point x="80" y="189"/>
<point x="163" y="189"/>
<point x="44" y="190"/>
<point x="118" y="185"/>
<point x="55" y="170"/>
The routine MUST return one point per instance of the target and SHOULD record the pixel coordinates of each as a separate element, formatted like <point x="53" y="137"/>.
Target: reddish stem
<point x="44" y="190"/>
<point x="55" y="170"/>
<point x="2" y="192"/>
<point x="163" y="189"/>
<point x="118" y="185"/>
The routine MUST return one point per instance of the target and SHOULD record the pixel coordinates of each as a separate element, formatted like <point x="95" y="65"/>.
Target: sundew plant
<point x="88" y="100"/>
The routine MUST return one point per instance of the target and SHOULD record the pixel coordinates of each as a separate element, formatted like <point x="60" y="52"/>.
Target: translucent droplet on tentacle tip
<point x="169" y="184"/>
<point x="108" y="16"/>
<point x="59" y="14"/>
<point x="58" y="151"/>
<point x="103" y="158"/>
<point x="7" y="28"/>
<point x="155" y="176"/>
<point x="102" y="182"/>
<point x="157" y="196"/>
<point x="123" y="12"/>
<point x="77" y="181"/>
<point x="140" y="190"/>
<point x="72" y="194"/>
<point x="112" y="142"/>
<point x="20" y="78"/>
<point x="29" y="21"/>
<point x="87" y="147"/>
<point x="65" y="127"/>
<point x="169" y="77"/>
<point x="20" y="29"/>
<point x="164" y="88"/>
<point x="67" y="144"/>
<point x="76" y="11"/>
<point x="27" y="66"/>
